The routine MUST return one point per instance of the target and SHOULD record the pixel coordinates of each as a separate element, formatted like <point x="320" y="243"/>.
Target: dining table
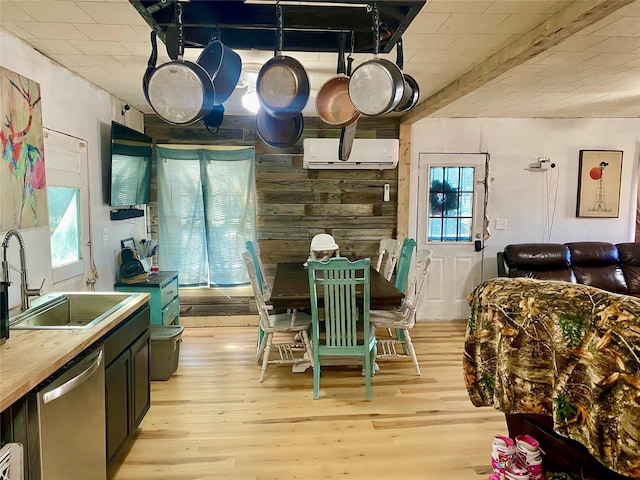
<point x="291" y="289"/>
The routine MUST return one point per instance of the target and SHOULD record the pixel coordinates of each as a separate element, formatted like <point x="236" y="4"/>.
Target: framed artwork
<point x="599" y="176"/>
<point x="23" y="194"/>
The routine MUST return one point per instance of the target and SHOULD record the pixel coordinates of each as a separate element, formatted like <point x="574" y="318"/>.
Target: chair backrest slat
<point x="404" y="264"/>
<point x="341" y="280"/>
<point x="254" y="249"/>
<point x="263" y="312"/>
<point x="388" y="256"/>
<point x="417" y="281"/>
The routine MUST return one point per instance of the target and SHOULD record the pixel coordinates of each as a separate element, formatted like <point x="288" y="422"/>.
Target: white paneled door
<point x="68" y="203"/>
<point x="451" y="211"/>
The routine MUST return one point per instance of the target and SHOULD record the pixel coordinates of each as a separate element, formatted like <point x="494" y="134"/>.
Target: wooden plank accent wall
<point x="294" y="204"/>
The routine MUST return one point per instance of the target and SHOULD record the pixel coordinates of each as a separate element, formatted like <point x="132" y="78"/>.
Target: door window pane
<point x="450" y="204"/>
<point x="64" y="224"/>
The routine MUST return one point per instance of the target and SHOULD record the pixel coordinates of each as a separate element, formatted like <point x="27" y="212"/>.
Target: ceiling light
<point x="250" y="101"/>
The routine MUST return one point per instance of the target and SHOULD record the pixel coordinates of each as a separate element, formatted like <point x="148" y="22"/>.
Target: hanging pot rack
<point x="310" y="26"/>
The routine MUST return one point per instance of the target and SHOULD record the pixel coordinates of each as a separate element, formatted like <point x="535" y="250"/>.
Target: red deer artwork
<point x="22" y="170"/>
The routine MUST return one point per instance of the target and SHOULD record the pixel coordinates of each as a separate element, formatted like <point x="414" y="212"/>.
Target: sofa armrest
<point x="502" y="267"/>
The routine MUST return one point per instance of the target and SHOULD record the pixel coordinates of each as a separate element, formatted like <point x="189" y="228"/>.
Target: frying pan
<point x="279" y="132"/>
<point x="223" y="66"/>
<point x="180" y="92"/>
<point x="376" y="86"/>
<point x="333" y="104"/>
<point x="282" y="84"/>
<point x="411" y="87"/>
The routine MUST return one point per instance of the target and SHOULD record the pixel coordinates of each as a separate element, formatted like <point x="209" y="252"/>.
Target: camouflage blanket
<point x="566" y="350"/>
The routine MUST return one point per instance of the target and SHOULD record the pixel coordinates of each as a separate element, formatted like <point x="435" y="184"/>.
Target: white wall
<point x="526" y="199"/>
<point x="75" y="107"/>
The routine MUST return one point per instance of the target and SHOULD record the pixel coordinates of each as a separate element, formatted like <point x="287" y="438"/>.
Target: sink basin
<point x="69" y="311"/>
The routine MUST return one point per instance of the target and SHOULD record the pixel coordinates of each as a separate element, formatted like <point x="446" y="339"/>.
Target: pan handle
<point x="279" y="39"/>
<point x="376" y="31"/>
<point x="399" y="54"/>
<point x="341" y="66"/>
<point x="350" y="58"/>
<point x="154" y="51"/>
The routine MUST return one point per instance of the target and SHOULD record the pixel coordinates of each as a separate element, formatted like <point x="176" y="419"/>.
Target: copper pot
<point x="333" y="104"/>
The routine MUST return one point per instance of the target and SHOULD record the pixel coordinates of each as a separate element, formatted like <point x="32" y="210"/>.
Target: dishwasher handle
<point x="69" y="385"/>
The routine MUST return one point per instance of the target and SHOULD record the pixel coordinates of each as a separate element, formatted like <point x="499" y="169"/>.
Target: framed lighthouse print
<point x="599" y="176"/>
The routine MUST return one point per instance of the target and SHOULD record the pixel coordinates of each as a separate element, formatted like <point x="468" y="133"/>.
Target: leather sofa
<point x="611" y="267"/>
<point x="615" y="268"/>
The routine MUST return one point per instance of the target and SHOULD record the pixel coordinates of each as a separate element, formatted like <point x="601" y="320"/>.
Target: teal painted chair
<point x="340" y="324"/>
<point x="404" y="264"/>
<point x="296" y="323"/>
<point x="403" y="319"/>
<point x="265" y="287"/>
<point x="402" y="273"/>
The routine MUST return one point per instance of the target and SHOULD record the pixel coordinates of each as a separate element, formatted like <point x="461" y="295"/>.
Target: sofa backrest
<point x="597" y="264"/>
<point x="629" y="254"/>
<point x="543" y="261"/>
<point x="615" y="268"/>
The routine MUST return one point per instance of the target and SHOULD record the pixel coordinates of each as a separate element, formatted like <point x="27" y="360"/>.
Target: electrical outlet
<point x="501" y="223"/>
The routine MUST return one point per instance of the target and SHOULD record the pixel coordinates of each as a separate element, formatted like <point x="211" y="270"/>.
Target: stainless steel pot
<point x="376" y="86"/>
<point x="282" y="85"/>
<point x="181" y="92"/>
<point x="411" y="87"/>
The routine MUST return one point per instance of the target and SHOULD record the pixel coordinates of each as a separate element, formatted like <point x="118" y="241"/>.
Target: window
<point x="206" y="213"/>
<point x="450" y="204"/>
<point x="64" y="225"/>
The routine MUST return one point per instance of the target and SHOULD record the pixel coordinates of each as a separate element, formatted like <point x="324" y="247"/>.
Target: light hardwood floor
<point x="214" y="420"/>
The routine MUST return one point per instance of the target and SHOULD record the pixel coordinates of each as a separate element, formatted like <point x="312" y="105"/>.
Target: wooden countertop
<point x="30" y="356"/>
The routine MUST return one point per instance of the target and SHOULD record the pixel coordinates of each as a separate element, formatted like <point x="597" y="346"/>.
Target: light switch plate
<point x="501" y="223"/>
<point x="386" y="192"/>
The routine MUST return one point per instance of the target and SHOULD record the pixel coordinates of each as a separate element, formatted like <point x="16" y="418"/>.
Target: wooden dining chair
<point x="403" y="319"/>
<point x="388" y="252"/>
<point x="294" y="322"/>
<point x="265" y="287"/>
<point x="340" y="324"/>
<point x="404" y="264"/>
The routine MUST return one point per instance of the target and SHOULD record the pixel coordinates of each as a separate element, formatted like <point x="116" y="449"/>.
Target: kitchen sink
<point x="69" y="311"/>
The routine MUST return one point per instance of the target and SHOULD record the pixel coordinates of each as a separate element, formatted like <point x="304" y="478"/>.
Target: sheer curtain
<point x="206" y="213"/>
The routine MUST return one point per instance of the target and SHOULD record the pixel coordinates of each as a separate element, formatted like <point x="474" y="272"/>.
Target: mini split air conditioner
<point x="365" y="153"/>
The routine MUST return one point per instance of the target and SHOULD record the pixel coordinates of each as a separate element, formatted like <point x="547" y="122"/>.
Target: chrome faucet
<point x="25" y="291"/>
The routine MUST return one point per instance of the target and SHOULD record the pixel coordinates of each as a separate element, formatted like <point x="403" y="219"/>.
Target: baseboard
<point x="220" y="321"/>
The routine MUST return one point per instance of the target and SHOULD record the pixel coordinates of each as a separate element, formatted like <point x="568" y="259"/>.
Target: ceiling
<point x="471" y="58"/>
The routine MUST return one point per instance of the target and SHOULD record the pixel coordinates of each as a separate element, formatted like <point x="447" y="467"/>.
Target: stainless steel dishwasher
<point x="71" y="421"/>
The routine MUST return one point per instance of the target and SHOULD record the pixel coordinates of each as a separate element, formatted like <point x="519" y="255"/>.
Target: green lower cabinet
<point x="165" y="297"/>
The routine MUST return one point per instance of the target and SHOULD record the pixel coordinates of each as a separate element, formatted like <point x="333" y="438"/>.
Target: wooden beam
<point x="404" y="181"/>
<point x="572" y="19"/>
